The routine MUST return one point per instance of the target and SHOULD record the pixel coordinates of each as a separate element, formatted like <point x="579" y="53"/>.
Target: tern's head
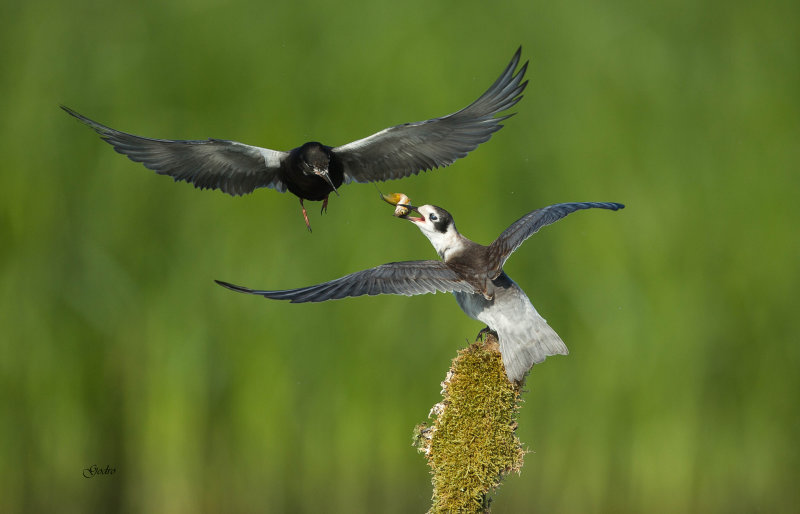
<point x="315" y="159"/>
<point x="438" y="226"/>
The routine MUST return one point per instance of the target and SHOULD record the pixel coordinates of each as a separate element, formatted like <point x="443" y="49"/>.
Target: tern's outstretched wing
<point x="407" y="149"/>
<point x="235" y="168"/>
<point x="406" y="278"/>
<point x="526" y="226"/>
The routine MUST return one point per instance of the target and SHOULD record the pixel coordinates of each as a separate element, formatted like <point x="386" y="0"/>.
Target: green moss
<point x="472" y="445"/>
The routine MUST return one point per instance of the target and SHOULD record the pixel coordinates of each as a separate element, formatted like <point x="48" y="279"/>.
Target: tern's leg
<point x="305" y="215"/>
<point x="324" y="206"/>
<point x="486" y="331"/>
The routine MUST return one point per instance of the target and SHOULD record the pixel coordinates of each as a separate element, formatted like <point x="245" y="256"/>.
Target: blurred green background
<point x="681" y="389"/>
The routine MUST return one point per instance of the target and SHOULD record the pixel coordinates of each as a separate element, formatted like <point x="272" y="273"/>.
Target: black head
<point x="314" y="157"/>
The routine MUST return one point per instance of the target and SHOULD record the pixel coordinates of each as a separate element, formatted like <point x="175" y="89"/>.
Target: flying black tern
<point x="312" y="171"/>
<point x="472" y="272"/>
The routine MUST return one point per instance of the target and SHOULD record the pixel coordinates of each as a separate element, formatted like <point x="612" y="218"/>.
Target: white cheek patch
<point x="446" y="244"/>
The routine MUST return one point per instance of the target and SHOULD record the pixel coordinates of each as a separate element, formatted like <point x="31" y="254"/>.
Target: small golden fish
<point x="399" y="200"/>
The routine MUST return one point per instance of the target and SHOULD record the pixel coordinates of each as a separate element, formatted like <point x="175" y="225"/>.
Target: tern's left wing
<point x="406" y="278"/>
<point x="407" y="149"/>
<point x="526" y="226"/>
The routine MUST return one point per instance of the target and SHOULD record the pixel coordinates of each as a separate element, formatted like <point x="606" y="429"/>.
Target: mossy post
<point x="472" y="444"/>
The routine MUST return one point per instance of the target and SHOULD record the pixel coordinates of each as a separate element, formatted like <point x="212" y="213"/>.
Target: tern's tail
<point x="522" y="348"/>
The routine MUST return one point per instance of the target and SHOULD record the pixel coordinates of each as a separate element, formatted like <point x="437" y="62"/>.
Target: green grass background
<point x="681" y="389"/>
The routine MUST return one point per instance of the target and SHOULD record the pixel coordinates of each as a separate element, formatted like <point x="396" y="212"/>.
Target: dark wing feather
<point x="407" y="149"/>
<point x="405" y="278"/>
<point x="232" y="167"/>
<point x="526" y="226"/>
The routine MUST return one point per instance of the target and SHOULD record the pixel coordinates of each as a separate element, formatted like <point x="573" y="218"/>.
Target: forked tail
<point x="522" y="348"/>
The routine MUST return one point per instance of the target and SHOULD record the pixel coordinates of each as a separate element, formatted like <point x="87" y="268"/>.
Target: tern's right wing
<point x="232" y="167"/>
<point x="406" y="278"/>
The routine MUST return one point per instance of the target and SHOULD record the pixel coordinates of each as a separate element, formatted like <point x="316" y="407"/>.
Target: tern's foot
<point x="324" y="209"/>
<point x="485" y="332"/>
<point x="305" y="215"/>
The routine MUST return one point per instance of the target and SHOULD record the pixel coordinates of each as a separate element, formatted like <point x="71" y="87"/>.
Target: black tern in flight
<point x="312" y="171"/>
<point x="472" y="272"/>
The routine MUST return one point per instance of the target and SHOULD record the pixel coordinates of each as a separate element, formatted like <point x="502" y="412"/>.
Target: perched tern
<point x="472" y="272"/>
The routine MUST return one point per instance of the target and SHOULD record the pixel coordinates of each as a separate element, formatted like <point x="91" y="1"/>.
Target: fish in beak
<point x="402" y="205"/>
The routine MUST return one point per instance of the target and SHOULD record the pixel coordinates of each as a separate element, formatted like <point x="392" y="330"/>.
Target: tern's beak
<point x="410" y="209"/>
<point x="322" y="173"/>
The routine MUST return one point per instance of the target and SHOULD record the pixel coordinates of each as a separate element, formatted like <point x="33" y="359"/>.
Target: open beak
<point x="409" y="210"/>
<point x="324" y="175"/>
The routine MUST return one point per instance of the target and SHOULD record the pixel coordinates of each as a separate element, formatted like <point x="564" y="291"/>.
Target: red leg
<point x="324" y="206"/>
<point x="305" y="215"/>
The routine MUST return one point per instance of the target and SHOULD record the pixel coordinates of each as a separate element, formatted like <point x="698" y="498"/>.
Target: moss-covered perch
<point x="472" y="445"/>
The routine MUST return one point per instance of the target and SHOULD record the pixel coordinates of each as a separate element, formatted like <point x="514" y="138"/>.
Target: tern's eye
<point x="433" y="217"/>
